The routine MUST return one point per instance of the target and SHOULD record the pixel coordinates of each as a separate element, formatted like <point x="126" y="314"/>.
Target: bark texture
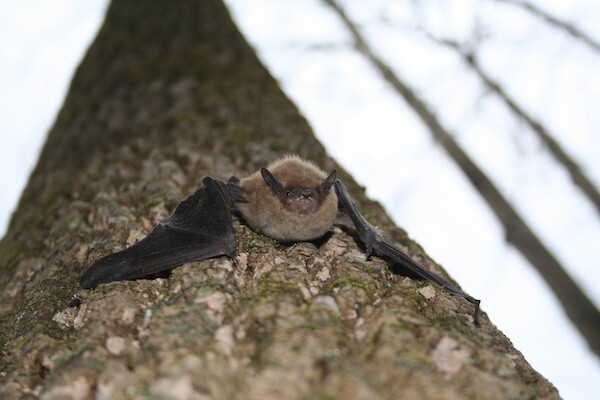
<point x="170" y="92"/>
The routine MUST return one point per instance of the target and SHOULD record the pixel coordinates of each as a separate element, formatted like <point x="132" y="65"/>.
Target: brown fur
<point x="265" y="213"/>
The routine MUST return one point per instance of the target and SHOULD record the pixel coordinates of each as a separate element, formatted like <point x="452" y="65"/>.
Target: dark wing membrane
<point x="374" y="241"/>
<point x="199" y="228"/>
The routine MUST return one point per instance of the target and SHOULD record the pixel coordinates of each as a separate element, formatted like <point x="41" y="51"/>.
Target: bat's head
<point x="290" y="200"/>
<point x="301" y="197"/>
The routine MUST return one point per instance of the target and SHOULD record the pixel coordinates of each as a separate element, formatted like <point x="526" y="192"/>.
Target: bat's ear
<point x="327" y="183"/>
<point x="272" y="183"/>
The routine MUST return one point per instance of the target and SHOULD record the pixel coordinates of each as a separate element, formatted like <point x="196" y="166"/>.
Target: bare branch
<point x="552" y="20"/>
<point x="579" y="178"/>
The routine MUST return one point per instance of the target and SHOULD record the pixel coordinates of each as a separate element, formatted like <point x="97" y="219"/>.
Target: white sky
<point x="555" y="78"/>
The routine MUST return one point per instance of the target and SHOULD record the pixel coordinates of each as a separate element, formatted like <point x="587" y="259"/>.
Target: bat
<point x="291" y="200"/>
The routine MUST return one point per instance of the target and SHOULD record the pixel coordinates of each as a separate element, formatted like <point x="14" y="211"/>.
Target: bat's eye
<point x="288" y="193"/>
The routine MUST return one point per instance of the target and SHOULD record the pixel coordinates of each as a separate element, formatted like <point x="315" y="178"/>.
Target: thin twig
<point x="554" y="21"/>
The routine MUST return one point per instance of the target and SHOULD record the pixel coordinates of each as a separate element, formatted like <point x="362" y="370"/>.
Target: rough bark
<point x="168" y="93"/>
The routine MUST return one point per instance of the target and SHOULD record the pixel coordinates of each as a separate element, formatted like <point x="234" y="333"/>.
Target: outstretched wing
<point x="374" y="241"/>
<point x="199" y="228"/>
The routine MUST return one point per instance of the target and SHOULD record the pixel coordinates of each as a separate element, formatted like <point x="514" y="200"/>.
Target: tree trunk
<point x="170" y="92"/>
